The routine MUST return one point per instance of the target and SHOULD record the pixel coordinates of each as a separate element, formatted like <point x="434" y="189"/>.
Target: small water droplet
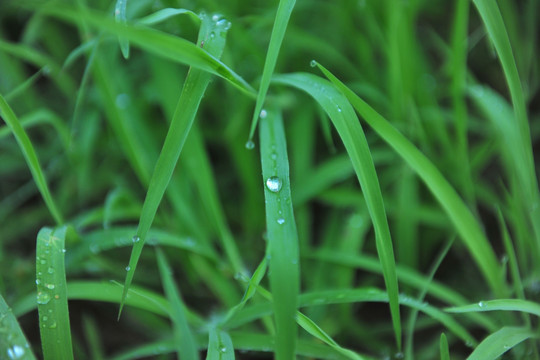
<point x="250" y="145"/>
<point x="313" y="63"/>
<point x="45" y="318"/>
<point x="38" y="281"/>
<point x="122" y="101"/>
<point x="215" y="17"/>
<point x="223" y="349"/>
<point x="43" y="262"/>
<point x="263" y="114"/>
<point x="399" y="355"/>
<point x="50" y="286"/>
<point x="274" y="184"/>
<point x="53" y="325"/>
<point x="281" y="221"/>
<point x="338" y="109"/>
<point x="128" y="268"/>
<point x="15" y="352"/>
<point x="273" y="156"/>
<point x="64" y="251"/>
<point x="50" y="270"/>
<point x="212" y="35"/>
<point x="43" y="298"/>
<point x="482" y="304"/>
<point x="136" y="239"/>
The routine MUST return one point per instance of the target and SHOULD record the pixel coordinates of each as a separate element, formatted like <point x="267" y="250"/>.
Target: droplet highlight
<point x="281" y="221"/>
<point x="313" y="63"/>
<point x="43" y="298"/>
<point x="250" y="145"/>
<point x="263" y="114"/>
<point x="136" y="239"/>
<point x="274" y="184"/>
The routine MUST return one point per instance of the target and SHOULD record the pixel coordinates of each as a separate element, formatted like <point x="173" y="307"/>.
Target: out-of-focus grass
<point x="124" y="123"/>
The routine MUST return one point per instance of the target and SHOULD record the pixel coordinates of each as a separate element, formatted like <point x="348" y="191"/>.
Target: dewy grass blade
<point x="188" y="104"/>
<point x="499" y="304"/>
<point x="159" y="43"/>
<point x="31" y="158"/>
<point x="346" y="122"/>
<point x="281" y="230"/>
<point x="13" y="343"/>
<point x="220" y="346"/>
<point x="443" y="347"/>
<point x="462" y="218"/>
<point x="52" y="300"/>
<point x="120" y="17"/>
<point x="164" y="14"/>
<point x="186" y="346"/>
<point x="498" y="343"/>
<point x="283" y="15"/>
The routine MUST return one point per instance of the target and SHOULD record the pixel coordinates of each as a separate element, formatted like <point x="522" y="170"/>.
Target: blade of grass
<point x="13" y="343"/>
<point x="281" y="231"/>
<point x="164" y="14"/>
<point x="220" y="346"/>
<point x="283" y="15"/>
<point x="499" y="304"/>
<point x="186" y="346"/>
<point x="30" y="156"/>
<point x="346" y="123"/>
<point x="156" y="42"/>
<point x="443" y="346"/>
<point x="52" y="300"/>
<point x="500" y="342"/>
<point x="194" y="88"/>
<point x="462" y="218"/>
<point x="120" y="17"/>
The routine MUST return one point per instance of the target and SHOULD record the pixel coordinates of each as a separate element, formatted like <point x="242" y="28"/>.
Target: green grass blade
<point x="30" y="156"/>
<point x="52" y="300"/>
<point x="443" y="346"/>
<point x="500" y="342"/>
<point x="220" y="346"/>
<point x="462" y="218"/>
<point x="283" y="15"/>
<point x="194" y="88"/>
<point x="120" y="17"/>
<point x="281" y="230"/>
<point x="158" y="43"/>
<point x="164" y="14"/>
<point x="186" y="347"/>
<point x="13" y="343"/>
<point x="499" y="304"/>
<point x="346" y="123"/>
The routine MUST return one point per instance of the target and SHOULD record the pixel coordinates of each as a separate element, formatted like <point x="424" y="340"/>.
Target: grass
<point x="388" y="210"/>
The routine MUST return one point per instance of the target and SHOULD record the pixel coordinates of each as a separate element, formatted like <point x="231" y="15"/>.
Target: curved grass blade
<point x="30" y="156"/>
<point x="281" y="230"/>
<point x="459" y="214"/>
<point x="194" y="88"/>
<point x="500" y="342"/>
<point x="220" y="346"/>
<point x="164" y="14"/>
<point x="52" y="300"/>
<point x="346" y="123"/>
<point x="499" y="304"/>
<point x="13" y="343"/>
<point x="120" y="17"/>
<point x="186" y="346"/>
<point x="443" y="346"/>
<point x="283" y="15"/>
<point x="156" y="42"/>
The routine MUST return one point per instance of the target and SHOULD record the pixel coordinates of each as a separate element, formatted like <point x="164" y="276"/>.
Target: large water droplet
<point x="281" y="221"/>
<point x="482" y="304"/>
<point x="313" y="63"/>
<point x="43" y="298"/>
<point x="136" y="239"/>
<point x="128" y="268"/>
<point x="263" y="114"/>
<point x="15" y="352"/>
<point x="274" y="184"/>
<point x="250" y="145"/>
<point x="50" y="286"/>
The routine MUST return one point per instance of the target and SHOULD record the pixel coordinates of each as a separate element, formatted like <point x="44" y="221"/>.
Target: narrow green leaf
<point x="220" y="346"/>
<point x="13" y="343"/>
<point x="499" y="304"/>
<point x="443" y="345"/>
<point x="194" y="88"/>
<point x="120" y="17"/>
<point x="498" y="343"/>
<point x="346" y="123"/>
<point x="164" y="14"/>
<point x="462" y="218"/>
<point x="30" y="156"/>
<point x="186" y="346"/>
<point x="283" y="15"/>
<point x="52" y="300"/>
<point x="281" y="230"/>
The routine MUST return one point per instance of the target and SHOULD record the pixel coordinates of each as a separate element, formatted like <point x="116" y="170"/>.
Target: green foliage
<point x="397" y="215"/>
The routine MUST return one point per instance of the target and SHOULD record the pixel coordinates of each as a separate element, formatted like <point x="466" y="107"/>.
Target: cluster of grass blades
<point x="398" y="211"/>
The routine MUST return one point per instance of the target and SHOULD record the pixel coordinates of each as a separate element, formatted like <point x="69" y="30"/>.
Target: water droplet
<point x="338" y="109"/>
<point x="46" y="70"/>
<point x="45" y="318"/>
<point x="50" y="286"/>
<point x="122" y="101"/>
<point x="38" y="281"/>
<point x="215" y="17"/>
<point x="43" y="298"/>
<point x="250" y="145"/>
<point x="281" y="221"/>
<point x="263" y="114"/>
<point x="212" y="35"/>
<point x="274" y="184"/>
<point x="469" y="344"/>
<point x="399" y="355"/>
<point x="482" y="304"/>
<point x="273" y="156"/>
<point x="53" y="325"/>
<point x="313" y="63"/>
<point x="136" y="239"/>
<point x="128" y="268"/>
<point x="43" y="262"/>
<point x="223" y="349"/>
<point x="15" y="352"/>
<point x="50" y="270"/>
<point x="190" y="242"/>
<point x="64" y="251"/>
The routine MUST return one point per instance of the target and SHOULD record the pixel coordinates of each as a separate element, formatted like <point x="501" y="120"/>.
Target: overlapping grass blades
<point x="462" y="218"/>
<point x="346" y="123"/>
<point x="500" y="342"/>
<point x="525" y="306"/>
<point x="283" y="15"/>
<point x="212" y="36"/>
<point x="52" y="299"/>
<point x="13" y="343"/>
<point x="220" y="346"/>
<point x="281" y="232"/>
<point x="31" y="158"/>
